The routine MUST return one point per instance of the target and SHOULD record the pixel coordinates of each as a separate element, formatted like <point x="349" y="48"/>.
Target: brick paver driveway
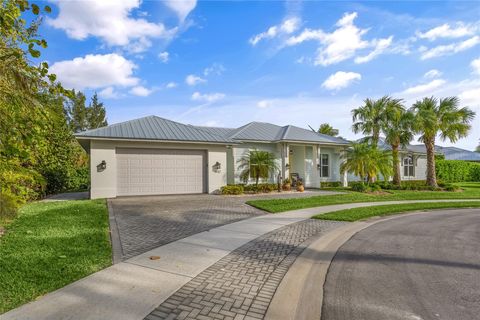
<point x="144" y="223"/>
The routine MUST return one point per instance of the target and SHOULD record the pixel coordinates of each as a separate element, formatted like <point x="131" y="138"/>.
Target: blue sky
<point x="228" y="63"/>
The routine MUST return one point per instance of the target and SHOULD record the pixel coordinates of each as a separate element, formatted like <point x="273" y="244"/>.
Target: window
<point x="324" y="165"/>
<point x="408" y="167"/>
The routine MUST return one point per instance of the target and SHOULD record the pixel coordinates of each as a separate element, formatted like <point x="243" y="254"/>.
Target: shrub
<point x="457" y="170"/>
<point x="8" y="206"/>
<point x="359" y="187"/>
<point x="251" y="188"/>
<point x="232" y="189"/>
<point x="267" y="187"/>
<point x="21" y="183"/>
<point x="331" y="184"/>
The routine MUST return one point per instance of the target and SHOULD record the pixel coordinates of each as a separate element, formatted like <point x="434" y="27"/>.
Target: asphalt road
<point x="424" y="266"/>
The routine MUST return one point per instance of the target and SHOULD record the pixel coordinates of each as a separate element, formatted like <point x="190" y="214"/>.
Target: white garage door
<point x="160" y="171"/>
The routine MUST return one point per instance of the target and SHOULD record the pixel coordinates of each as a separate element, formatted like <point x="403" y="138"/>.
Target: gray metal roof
<point x="454" y="153"/>
<point x="155" y="128"/>
<point x="262" y="131"/>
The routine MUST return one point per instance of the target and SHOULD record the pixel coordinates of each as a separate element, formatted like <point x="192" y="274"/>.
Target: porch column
<point x="316" y="168"/>
<point x="345" y="174"/>
<point x="285" y="154"/>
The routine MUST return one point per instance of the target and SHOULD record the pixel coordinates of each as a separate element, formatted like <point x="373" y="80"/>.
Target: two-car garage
<point x="160" y="171"/>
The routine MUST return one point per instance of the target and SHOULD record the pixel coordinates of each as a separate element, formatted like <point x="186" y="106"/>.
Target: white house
<point x="154" y="156"/>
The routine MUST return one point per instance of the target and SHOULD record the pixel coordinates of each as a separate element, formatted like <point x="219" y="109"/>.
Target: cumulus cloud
<point x="471" y="96"/>
<point x="340" y="79"/>
<point x="109" y="20"/>
<point x="264" y="103"/>
<point x="475" y="64"/>
<point x="207" y="97"/>
<point x="108" y="93"/>
<point x="95" y="71"/>
<point x="449" y="49"/>
<point x="164" y="56"/>
<point x="425" y="88"/>
<point x="287" y="27"/>
<point x="181" y="7"/>
<point x="215" y="68"/>
<point x="171" y="85"/>
<point x="341" y="44"/>
<point x="447" y="31"/>
<point x="140" y="91"/>
<point x="193" y="80"/>
<point x="434" y="73"/>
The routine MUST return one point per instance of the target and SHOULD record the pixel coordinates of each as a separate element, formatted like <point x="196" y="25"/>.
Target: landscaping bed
<point x="49" y="245"/>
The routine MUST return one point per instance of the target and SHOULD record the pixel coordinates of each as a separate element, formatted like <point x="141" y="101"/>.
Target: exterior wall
<point x="238" y="151"/>
<point x="420" y="162"/>
<point x="334" y="164"/>
<point x="104" y="183"/>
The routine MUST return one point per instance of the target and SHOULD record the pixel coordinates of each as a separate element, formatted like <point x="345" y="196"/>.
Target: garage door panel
<point x="160" y="171"/>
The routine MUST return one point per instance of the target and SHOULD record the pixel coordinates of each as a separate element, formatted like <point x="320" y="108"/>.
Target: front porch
<point x="313" y="164"/>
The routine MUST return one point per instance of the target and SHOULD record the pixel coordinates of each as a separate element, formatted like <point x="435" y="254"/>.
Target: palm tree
<point x="366" y="161"/>
<point x="397" y="128"/>
<point x="368" y="118"/>
<point x="444" y="117"/>
<point x="257" y="165"/>
<point x="327" y="129"/>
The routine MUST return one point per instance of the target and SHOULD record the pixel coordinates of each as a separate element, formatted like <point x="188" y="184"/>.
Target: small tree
<point x="367" y="161"/>
<point x="327" y="129"/>
<point x="444" y="117"/>
<point x="257" y="165"/>
<point x="77" y="112"/>
<point x="96" y="114"/>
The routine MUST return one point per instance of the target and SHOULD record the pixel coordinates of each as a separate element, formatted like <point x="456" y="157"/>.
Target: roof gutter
<point x="154" y="140"/>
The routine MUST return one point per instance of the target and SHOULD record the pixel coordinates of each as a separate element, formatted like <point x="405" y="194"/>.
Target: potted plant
<point x="300" y="187"/>
<point x="287" y="184"/>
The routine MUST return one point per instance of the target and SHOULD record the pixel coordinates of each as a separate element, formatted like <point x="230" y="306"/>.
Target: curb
<point x="114" y="235"/>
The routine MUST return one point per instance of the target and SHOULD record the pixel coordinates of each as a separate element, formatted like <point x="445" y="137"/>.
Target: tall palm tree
<point x="366" y="161"/>
<point x="444" y="117"/>
<point x="397" y="128"/>
<point x="368" y="118"/>
<point x="257" y="165"/>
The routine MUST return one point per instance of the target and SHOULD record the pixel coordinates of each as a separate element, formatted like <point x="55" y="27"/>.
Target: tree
<point x="368" y="118"/>
<point x="444" y="117"/>
<point x="397" y="128"/>
<point x="327" y="129"/>
<point x="257" y="165"/>
<point x="367" y="162"/>
<point x="77" y="112"/>
<point x="96" y="114"/>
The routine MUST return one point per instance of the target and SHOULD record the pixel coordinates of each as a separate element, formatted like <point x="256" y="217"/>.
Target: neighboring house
<point x="152" y="155"/>
<point x="454" y="153"/>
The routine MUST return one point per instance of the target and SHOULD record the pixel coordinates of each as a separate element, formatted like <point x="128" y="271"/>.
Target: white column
<point x="345" y="174"/>
<point x="285" y="154"/>
<point x="318" y="171"/>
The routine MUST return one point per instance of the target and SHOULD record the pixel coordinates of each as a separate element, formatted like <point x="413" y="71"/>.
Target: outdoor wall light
<point x="102" y="166"/>
<point x="217" y="166"/>
<point x="318" y="166"/>
<point x="287" y="165"/>
<point x="290" y="151"/>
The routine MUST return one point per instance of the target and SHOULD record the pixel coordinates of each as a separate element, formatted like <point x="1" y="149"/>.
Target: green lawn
<point x="471" y="190"/>
<point x="385" y="210"/>
<point x="49" y="245"/>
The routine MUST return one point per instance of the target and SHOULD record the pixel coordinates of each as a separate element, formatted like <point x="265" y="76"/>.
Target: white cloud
<point x="215" y="68"/>
<point x="341" y="44"/>
<point x="446" y="31"/>
<point x="140" y="91"/>
<point x="434" y="73"/>
<point x="265" y="103"/>
<point x="426" y="88"/>
<point x="475" y="64"/>
<point x="181" y="7"/>
<point x="471" y="97"/>
<point x="164" y="56"/>
<point x="287" y="27"/>
<point x="193" y="80"/>
<point x="449" y="49"/>
<point x="109" y="20"/>
<point x="380" y="46"/>
<point x="340" y="80"/>
<point x="171" y="85"/>
<point x="108" y="93"/>
<point x="209" y="98"/>
<point x="95" y="71"/>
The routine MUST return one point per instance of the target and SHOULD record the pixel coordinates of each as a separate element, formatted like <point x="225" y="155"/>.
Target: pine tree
<point x="77" y="112"/>
<point x="96" y="114"/>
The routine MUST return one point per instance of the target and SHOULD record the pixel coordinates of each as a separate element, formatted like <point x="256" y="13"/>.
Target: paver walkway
<point x="144" y="223"/>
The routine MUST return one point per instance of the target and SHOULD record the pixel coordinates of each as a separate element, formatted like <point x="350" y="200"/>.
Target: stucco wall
<point x="104" y="183"/>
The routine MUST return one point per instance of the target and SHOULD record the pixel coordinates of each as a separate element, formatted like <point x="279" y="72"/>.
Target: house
<point x="454" y="153"/>
<point x="153" y="156"/>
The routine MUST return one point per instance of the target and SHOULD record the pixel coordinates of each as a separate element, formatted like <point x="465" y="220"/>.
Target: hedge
<point x="457" y="170"/>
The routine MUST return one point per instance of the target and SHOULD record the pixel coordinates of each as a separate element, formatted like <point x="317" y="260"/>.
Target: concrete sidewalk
<point x="132" y="289"/>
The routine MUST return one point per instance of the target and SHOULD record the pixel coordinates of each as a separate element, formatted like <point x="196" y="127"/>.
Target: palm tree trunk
<point x="431" y="175"/>
<point x="396" y="165"/>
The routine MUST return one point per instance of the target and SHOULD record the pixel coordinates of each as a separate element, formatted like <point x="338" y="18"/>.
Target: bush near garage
<point x="457" y="171"/>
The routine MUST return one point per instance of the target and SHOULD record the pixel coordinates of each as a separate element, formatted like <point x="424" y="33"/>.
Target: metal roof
<point x="155" y="128"/>
<point x="454" y="153"/>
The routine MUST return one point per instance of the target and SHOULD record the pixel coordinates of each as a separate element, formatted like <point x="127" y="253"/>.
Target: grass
<point x="471" y="190"/>
<point x="386" y="210"/>
<point x="49" y="245"/>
